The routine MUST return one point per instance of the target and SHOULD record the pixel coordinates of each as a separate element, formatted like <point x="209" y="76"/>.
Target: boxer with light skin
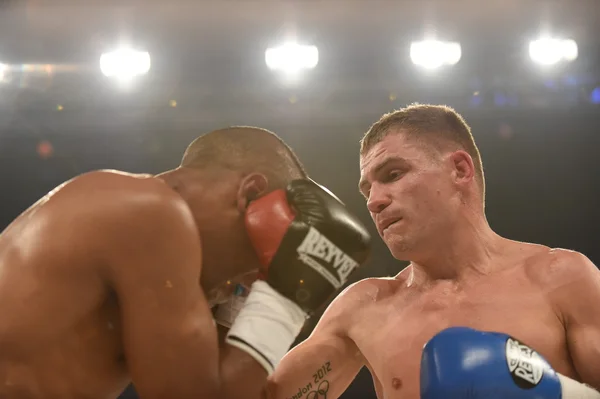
<point x="110" y="278"/>
<point x="423" y="181"/>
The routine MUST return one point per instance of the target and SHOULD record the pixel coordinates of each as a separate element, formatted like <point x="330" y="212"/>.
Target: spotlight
<point x="292" y="57"/>
<point x="552" y="51"/>
<point x="432" y="54"/>
<point x="125" y="64"/>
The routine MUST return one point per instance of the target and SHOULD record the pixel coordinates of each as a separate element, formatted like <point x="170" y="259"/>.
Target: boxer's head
<point x="420" y="165"/>
<point x="220" y="173"/>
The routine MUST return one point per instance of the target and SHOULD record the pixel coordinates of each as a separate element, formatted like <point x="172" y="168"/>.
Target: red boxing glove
<point x="267" y="220"/>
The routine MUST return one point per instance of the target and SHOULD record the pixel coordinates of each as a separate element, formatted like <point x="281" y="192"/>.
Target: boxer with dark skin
<point x="110" y="278"/>
<point x="422" y="178"/>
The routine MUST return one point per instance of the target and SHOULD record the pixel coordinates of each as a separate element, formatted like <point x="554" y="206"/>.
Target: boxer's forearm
<point x="323" y="366"/>
<point x="222" y="333"/>
<point x="241" y="376"/>
<point x="307" y="368"/>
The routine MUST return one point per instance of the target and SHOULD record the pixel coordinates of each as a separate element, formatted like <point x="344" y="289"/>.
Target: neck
<point x="459" y="254"/>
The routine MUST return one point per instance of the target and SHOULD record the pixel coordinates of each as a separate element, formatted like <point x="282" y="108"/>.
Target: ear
<point x="251" y="187"/>
<point x="463" y="167"/>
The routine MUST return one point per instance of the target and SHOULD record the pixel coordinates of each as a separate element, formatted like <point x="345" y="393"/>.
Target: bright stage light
<point x="292" y="57"/>
<point x="125" y="63"/>
<point x="552" y="51"/>
<point x="431" y="54"/>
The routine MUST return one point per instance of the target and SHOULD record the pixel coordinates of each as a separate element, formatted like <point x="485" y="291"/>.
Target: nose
<point x="378" y="199"/>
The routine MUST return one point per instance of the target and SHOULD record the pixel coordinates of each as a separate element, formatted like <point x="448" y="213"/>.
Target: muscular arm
<point x="152" y="260"/>
<point x="577" y="294"/>
<point x="325" y="364"/>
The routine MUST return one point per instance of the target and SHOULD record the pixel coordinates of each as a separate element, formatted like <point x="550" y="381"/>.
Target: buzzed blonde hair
<point x="433" y="125"/>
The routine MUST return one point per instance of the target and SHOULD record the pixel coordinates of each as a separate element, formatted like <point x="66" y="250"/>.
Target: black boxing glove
<point x="308" y="244"/>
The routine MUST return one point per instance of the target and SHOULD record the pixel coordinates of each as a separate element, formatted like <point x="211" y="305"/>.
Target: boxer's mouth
<point x="386" y="224"/>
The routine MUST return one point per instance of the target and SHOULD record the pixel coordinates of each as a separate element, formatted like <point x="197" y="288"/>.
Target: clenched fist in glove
<point x="308" y="244"/>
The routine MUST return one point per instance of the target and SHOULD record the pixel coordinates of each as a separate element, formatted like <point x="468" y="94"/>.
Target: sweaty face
<point x="409" y="194"/>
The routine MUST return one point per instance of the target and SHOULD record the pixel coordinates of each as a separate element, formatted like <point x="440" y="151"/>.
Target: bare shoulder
<point x="93" y="200"/>
<point x="341" y="313"/>
<point x="139" y="226"/>
<point x="557" y="267"/>
<point x="101" y="181"/>
<point x="109" y="208"/>
<point x="370" y="289"/>
<point x="362" y="293"/>
<point x="109" y="192"/>
<point x="136" y="203"/>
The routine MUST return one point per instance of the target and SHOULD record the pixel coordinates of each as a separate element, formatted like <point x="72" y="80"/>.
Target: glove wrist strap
<point x="266" y="326"/>
<point x="572" y="389"/>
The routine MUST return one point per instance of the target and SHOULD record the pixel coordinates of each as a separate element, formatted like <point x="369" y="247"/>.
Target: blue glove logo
<point x="525" y="365"/>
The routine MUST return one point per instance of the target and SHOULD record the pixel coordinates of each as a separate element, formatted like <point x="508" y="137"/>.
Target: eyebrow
<point x="363" y="184"/>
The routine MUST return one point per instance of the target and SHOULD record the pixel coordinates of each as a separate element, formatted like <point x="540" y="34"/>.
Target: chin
<point x="401" y="256"/>
<point x="399" y="249"/>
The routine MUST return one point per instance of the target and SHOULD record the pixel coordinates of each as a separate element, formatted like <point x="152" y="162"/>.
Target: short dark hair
<point x="434" y="125"/>
<point x="247" y="149"/>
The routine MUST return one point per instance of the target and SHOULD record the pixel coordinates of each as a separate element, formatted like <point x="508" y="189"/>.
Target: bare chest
<point x="395" y="329"/>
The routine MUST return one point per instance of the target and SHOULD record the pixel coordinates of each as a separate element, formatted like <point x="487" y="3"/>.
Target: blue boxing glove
<point x="461" y="363"/>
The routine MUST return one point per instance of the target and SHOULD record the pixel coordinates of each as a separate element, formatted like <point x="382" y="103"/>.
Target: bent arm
<point x="577" y="294"/>
<point x="324" y="364"/>
<point x="152" y="260"/>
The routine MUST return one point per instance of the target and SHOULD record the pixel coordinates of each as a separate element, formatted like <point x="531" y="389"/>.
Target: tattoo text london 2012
<point x="318" y="387"/>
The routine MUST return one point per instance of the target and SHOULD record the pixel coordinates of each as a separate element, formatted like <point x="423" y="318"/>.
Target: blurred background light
<point x="3" y="69"/>
<point x="292" y="57"/>
<point x="124" y="63"/>
<point x="432" y="54"/>
<point x="551" y="51"/>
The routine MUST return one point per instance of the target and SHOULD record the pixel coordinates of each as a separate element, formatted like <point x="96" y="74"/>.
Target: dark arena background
<point x="524" y="74"/>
